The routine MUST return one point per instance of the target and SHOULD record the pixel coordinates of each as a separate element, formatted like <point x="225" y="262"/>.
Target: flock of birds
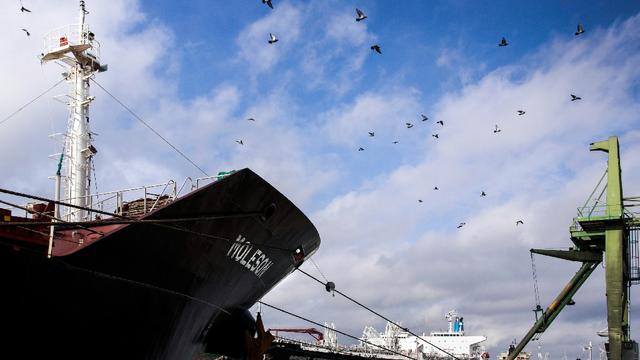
<point x="361" y="16"/>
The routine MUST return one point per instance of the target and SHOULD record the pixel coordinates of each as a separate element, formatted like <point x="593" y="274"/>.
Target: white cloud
<point x="408" y="260"/>
<point x="405" y="259"/>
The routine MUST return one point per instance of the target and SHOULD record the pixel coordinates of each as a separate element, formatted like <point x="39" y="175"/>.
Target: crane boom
<point x="315" y="333"/>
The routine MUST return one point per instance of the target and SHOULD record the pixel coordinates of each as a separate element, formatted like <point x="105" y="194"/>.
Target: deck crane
<point x="604" y="226"/>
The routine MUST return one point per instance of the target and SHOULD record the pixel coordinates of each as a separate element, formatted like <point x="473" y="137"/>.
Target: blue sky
<point x="408" y="33"/>
<point x="196" y="71"/>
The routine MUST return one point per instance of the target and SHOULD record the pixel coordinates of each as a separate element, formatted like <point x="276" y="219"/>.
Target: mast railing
<point x="70" y="35"/>
<point x="595" y="211"/>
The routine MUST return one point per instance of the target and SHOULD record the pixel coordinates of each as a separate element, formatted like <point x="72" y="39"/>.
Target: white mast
<point x="75" y="47"/>
<point x="78" y="166"/>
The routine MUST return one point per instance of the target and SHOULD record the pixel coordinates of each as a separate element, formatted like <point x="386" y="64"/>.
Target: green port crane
<point x="603" y="225"/>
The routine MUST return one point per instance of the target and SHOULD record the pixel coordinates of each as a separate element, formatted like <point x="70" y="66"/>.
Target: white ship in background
<point x="454" y="341"/>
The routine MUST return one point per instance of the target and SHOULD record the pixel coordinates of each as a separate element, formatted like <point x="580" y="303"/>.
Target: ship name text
<point x="251" y="258"/>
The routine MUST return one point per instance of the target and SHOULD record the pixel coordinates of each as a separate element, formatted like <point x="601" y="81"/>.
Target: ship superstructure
<point x="453" y="341"/>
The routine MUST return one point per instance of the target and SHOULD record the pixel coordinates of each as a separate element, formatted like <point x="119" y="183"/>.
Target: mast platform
<point x="72" y="46"/>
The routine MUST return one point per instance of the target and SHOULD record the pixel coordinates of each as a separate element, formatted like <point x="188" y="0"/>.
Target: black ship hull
<point x="155" y="291"/>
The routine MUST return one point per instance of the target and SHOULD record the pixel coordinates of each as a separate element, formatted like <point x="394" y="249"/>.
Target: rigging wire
<point x="22" y="224"/>
<point x="182" y="229"/>
<point x="149" y="127"/>
<point x="318" y="268"/>
<point x="106" y="222"/>
<point x="203" y="301"/>
<point x="157" y="222"/>
<point x="39" y="198"/>
<point x="142" y="284"/>
<point x="30" y="102"/>
<point x="123" y="279"/>
<point x="376" y="313"/>
<point x="338" y="331"/>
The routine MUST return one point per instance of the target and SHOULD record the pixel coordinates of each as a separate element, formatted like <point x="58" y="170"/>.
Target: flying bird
<point x="360" y="149"/>
<point x="436" y="136"/>
<point x="24" y="9"/>
<point x="376" y="48"/>
<point x="580" y="30"/>
<point x="424" y="117"/>
<point x="360" y="15"/>
<point x="419" y="200"/>
<point x="409" y="125"/>
<point x="519" y="222"/>
<point x="240" y="142"/>
<point x="503" y="42"/>
<point x="268" y="2"/>
<point x="435" y="188"/>
<point x="272" y="38"/>
<point x="483" y="194"/>
<point x="461" y="224"/>
<point x="371" y="133"/>
<point x="395" y="142"/>
<point x="521" y="112"/>
<point x="27" y="32"/>
<point x="440" y="122"/>
<point x="496" y="130"/>
<point x="574" y="97"/>
<point x="251" y="119"/>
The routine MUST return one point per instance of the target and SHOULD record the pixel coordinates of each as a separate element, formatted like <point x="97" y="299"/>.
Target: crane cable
<point x="538" y="308"/>
<point x="535" y="282"/>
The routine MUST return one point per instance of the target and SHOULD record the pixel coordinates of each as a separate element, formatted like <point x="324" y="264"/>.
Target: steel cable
<point x="30" y="102"/>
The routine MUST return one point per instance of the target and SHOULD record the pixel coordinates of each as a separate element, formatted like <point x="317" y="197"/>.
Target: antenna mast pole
<point x="78" y="166"/>
<point x="75" y="47"/>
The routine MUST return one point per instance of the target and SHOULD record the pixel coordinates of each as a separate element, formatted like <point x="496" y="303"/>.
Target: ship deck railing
<point x="132" y="202"/>
<point x="141" y="200"/>
<point x="353" y="350"/>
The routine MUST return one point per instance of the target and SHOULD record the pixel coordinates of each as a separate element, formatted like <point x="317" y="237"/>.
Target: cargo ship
<point x="143" y="273"/>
